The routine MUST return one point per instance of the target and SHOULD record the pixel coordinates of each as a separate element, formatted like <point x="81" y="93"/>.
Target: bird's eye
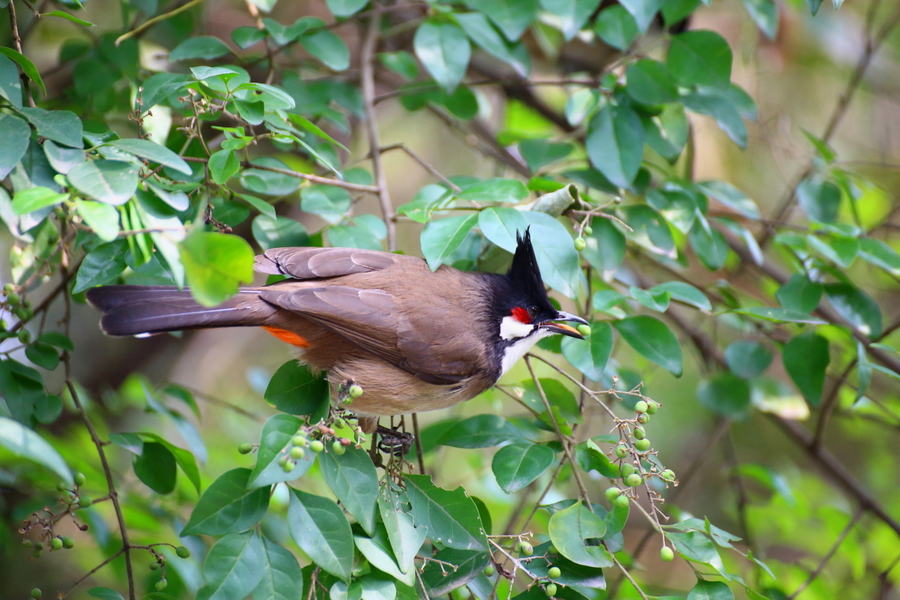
<point x="532" y="311"/>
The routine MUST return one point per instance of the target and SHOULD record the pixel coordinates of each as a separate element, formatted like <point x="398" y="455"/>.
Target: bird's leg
<point x="393" y="442"/>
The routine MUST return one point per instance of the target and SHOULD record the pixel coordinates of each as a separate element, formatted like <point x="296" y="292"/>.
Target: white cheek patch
<point x="517" y="350"/>
<point x="512" y="329"/>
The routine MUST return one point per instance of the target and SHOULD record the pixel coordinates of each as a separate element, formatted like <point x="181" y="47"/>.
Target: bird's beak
<point x="557" y="327"/>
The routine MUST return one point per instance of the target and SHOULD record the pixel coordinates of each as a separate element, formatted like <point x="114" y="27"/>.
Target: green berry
<point x="640" y="406"/>
<point x="584" y="330"/>
<point x="643" y="418"/>
<point x="13" y="299"/>
<point x="622" y="501"/>
<point x="297" y="453"/>
<point x="338" y="448"/>
<point x="553" y="572"/>
<point x="68" y="543"/>
<point x="27" y="543"/>
<point x="36" y="593"/>
<point x="85" y="501"/>
<point x="613" y="493"/>
<point x="39" y="546"/>
<point x="526" y="549"/>
<point x="182" y="552"/>
<point x="666" y="554"/>
<point x="642" y="445"/>
<point x="652" y="407"/>
<point x="9" y="289"/>
<point x="587" y="230"/>
<point x="667" y="475"/>
<point x="621" y="450"/>
<point x="299" y="440"/>
<point x="551" y="589"/>
<point x="245" y="448"/>
<point x="288" y="466"/>
<point x="56" y="543"/>
<point x="355" y="391"/>
<point x="316" y="446"/>
<point x="627" y="470"/>
<point x="37" y="553"/>
<point x="24" y="336"/>
<point x="634" y="480"/>
<point x="161" y="584"/>
<point x="154" y="566"/>
<point x="80" y="478"/>
<point x="489" y="571"/>
<point x="283" y="460"/>
<point x="61" y="486"/>
<point x="580" y="244"/>
<point x="639" y="433"/>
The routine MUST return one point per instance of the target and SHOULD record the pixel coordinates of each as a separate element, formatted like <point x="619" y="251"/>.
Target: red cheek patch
<point x="521" y="315"/>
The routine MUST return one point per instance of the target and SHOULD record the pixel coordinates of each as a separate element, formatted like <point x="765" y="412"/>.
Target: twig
<point x="424" y="164"/>
<point x="368" y="88"/>
<point x="17" y="43"/>
<point x="837" y="544"/>
<point x="151" y="22"/>
<point x="355" y="187"/>
<point x="628" y="576"/>
<point x="80" y="580"/>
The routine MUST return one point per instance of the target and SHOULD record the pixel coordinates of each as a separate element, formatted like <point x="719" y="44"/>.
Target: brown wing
<point x="320" y="263"/>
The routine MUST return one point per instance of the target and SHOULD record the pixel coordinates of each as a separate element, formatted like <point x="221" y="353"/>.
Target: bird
<point x="411" y="338"/>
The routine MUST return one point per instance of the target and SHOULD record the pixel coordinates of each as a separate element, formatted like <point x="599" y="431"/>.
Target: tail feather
<point x="145" y="310"/>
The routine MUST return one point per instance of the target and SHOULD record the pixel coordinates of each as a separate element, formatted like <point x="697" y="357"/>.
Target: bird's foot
<point x="393" y="442"/>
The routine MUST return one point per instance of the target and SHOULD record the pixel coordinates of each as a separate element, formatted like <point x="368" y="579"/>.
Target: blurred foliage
<point x="712" y="184"/>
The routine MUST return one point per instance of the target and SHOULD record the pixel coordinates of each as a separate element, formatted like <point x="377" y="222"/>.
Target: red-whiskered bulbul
<point x="413" y="339"/>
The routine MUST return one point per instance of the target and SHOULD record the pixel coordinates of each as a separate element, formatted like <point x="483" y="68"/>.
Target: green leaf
<point x="700" y="58"/>
<point x="572" y="14"/>
<point x="377" y="550"/>
<point x="838" y="249"/>
<point x="541" y="152"/>
<point x="615" y="143"/>
<point x="717" y="104"/>
<point x="658" y="301"/>
<point x="779" y="315"/>
<point x="605" y="248"/>
<point x="327" y="47"/>
<point x="345" y="8"/>
<point x="451" y="517"/>
<point x="462" y="567"/>
<point x="481" y="431"/>
<point x="856" y="307"/>
<point x="26" y="443"/>
<point x="806" y="360"/>
<point x="444" y="50"/>
<point x="321" y="530"/>
<point x="329" y="202"/>
<point x="102" y="265"/>
<point x="814" y="6"/>
<point x="10" y="83"/>
<point x="223" y="165"/>
<point x="278" y="233"/>
<point x="880" y="254"/>
<point x="276" y="433"/>
<point x="571" y="574"/>
<point x="227" y="506"/>
<point x="403" y="63"/>
<point x="747" y="359"/>
<point x="282" y="578"/>
<point x="442" y="236"/>
<point x="675" y="11"/>
<point x="494" y="190"/>
<point x="820" y="200"/>
<point x="710" y="590"/>
<point x="22" y="388"/>
<point x="731" y="197"/>
<point x="726" y="394"/>
<point x="295" y="390"/>
<point x="61" y="126"/>
<point x="590" y="457"/>
<point x="42" y="355"/>
<point x="649" y="229"/>
<point x="683" y="292"/>
<point x="512" y="16"/>
<point x="765" y="14"/>
<point x="695" y="546"/>
<point x="215" y="264"/>
<point x="54" y="338"/>
<point x="571" y="529"/>
<point x="15" y="135"/>
<point x="28" y="69"/>
<point x="405" y="538"/>
<point x="648" y="82"/>
<point x="352" y="478"/>
<point x="156" y="467"/>
<point x="109" y="181"/>
<point x="709" y="244"/>
<point x="616" y="27"/>
<point x="643" y="11"/>
<point x="36" y="198"/>
<point x="517" y="465"/>
<point x="247" y="36"/>
<point x="590" y="355"/>
<point x="206" y="47"/>
<point x="105" y="594"/>
<point x="652" y="339"/>
<point x="233" y="567"/>
<point x="480" y="31"/>
<point x="102" y="218"/>
<point x="154" y="153"/>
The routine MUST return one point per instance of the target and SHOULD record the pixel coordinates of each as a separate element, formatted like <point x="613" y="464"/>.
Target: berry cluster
<point x="45" y="521"/>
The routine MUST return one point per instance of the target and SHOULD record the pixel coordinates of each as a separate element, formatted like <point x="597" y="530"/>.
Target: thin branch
<point x="837" y="544"/>
<point x="368" y="89"/>
<point x="81" y="580"/>
<point x="354" y="187"/>
<point x="153" y="21"/>
<point x="17" y="43"/>
<point x="423" y="163"/>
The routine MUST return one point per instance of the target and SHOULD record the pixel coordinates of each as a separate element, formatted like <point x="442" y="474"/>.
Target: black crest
<point x="524" y="276"/>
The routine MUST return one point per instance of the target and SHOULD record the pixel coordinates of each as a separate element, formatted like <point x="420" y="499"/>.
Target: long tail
<point x="145" y="310"/>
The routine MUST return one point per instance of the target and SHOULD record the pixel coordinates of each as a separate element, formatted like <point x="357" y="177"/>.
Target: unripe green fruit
<point x="551" y="549"/>
<point x="9" y="289"/>
<point x="652" y="407"/>
<point x="551" y="589"/>
<point x="56" y="543"/>
<point x="27" y="543"/>
<point x="288" y="466"/>
<point x="245" y="448"/>
<point x="338" y="448"/>
<point x="13" y="299"/>
<point x="526" y="549"/>
<point x="613" y="493"/>
<point x="667" y="475"/>
<point x="37" y="553"/>
<point x="297" y="452"/>
<point x="299" y="440"/>
<point x="627" y="470"/>
<point x="587" y="230"/>
<point x="643" y="418"/>
<point x="634" y="480"/>
<point x="24" y="336"/>
<point x="640" y="406"/>
<point x="283" y="460"/>
<point x="68" y="543"/>
<point x="182" y="552"/>
<point x="621" y="450"/>
<point x="39" y="546"/>
<point x="580" y="244"/>
<point x="666" y="554"/>
<point x="36" y="593"/>
<point x="489" y="570"/>
<point x="80" y="479"/>
<point x="622" y="501"/>
<point x="154" y="566"/>
<point x="316" y="446"/>
<point x="161" y="585"/>
<point x="355" y="391"/>
<point x="584" y="330"/>
<point x="61" y="486"/>
<point x="639" y="433"/>
<point x="85" y="501"/>
<point x="553" y="572"/>
<point x="642" y="445"/>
